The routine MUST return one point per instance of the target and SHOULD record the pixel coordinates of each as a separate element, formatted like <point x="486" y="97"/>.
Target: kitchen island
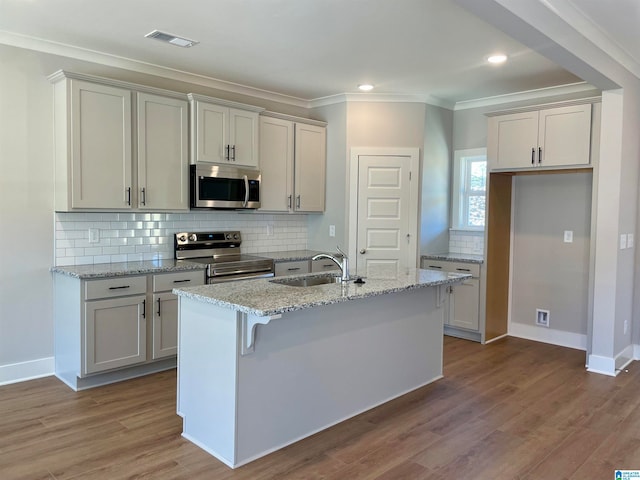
<point x="263" y="364"/>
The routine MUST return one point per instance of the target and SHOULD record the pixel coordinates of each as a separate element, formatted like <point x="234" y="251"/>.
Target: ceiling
<point x="313" y="49"/>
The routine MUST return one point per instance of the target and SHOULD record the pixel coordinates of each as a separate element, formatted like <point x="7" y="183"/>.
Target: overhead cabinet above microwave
<point x="97" y="124"/>
<point x="223" y="132"/>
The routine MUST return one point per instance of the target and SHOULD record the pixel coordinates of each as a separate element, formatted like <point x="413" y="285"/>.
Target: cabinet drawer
<point x="458" y="267"/>
<point x="115" y="287"/>
<point x="169" y="281"/>
<point x="292" y="268"/>
<point x="463" y="267"/>
<point x="323" y="265"/>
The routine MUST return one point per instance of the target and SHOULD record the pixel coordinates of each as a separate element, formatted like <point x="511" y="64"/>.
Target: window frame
<point x="460" y="191"/>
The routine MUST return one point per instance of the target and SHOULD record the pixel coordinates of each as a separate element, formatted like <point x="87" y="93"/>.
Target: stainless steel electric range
<point x="220" y="252"/>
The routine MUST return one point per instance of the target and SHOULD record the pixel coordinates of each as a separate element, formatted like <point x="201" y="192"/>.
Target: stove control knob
<point x="228" y="236"/>
<point x="193" y="237"/>
<point x="236" y="236"/>
<point x="182" y="238"/>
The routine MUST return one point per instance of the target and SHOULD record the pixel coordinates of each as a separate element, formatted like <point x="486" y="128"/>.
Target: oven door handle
<point x="234" y="277"/>
<point x="246" y="190"/>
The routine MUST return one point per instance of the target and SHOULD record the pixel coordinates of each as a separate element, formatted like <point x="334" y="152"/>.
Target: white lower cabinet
<point x="462" y="316"/>
<point x="115" y="333"/>
<point x="114" y="328"/>
<point x="164" y="336"/>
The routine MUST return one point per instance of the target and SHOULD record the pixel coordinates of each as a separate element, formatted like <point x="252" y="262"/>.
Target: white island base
<point x="307" y="370"/>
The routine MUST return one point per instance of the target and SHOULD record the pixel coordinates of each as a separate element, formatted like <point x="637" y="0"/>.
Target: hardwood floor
<point x="511" y="409"/>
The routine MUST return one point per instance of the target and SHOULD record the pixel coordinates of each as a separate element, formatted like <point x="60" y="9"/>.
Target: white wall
<point x="26" y="210"/>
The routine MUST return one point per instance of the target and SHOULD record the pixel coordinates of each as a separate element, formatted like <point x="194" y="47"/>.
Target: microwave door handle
<point x="246" y="191"/>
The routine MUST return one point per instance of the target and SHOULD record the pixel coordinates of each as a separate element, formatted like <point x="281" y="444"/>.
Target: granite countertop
<point x="454" y="257"/>
<point x="263" y="297"/>
<point x="103" y="270"/>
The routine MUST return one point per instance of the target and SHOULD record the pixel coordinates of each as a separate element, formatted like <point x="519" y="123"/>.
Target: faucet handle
<point x="339" y="250"/>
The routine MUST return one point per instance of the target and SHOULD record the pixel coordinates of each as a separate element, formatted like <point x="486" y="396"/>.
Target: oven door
<point x="224" y="187"/>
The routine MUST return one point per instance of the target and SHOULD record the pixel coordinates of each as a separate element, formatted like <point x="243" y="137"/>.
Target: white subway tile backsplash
<point x="127" y="237"/>
<point x="467" y="242"/>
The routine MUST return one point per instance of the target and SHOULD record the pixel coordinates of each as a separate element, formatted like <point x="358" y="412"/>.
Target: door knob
<point x="362" y="250"/>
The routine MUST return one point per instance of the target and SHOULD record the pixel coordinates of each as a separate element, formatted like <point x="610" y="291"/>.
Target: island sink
<point x="308" y="281"/>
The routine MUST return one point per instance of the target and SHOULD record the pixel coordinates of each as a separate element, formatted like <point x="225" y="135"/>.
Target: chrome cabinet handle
<point x="539" y="155"/>
<point x="533" y="156"/>
<point x="144" y="308"/>
<point x="290" y="200"/>
<point x="159" y="307"/>
<point x="181" y="281"/>
<point x="143" y="194"/>
<point x="128" y="195"/>
<point x="293" y="269"/>
<point x="119" y="288"/>
<point x="233" y="151"/>
<point x="298" y="201"/>
<point x="226" y="156"/>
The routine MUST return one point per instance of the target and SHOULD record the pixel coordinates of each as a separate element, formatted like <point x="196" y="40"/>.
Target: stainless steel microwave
<point x="222" y="187"/>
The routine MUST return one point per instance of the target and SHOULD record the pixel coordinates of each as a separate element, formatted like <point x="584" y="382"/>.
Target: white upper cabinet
<point x="223" y="133"/>
<point x="548" y="138"/>
<point x="163" y="163"/>
<point x="93" y="146"/>
<point x="309" y="172"/>
<point x="96" y="168"/>
<point x="292" y="164"/>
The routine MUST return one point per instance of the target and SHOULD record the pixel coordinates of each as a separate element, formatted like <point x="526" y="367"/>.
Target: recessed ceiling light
<point x="365" y="87"/>
<point x="497" y="58"/>
<point x="172" y="39"/>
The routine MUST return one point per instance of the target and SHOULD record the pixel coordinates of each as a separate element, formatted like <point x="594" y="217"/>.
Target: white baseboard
<point x="548" y="335"/>
<point x="20" y="372"/>
<point x="603" y="365"/>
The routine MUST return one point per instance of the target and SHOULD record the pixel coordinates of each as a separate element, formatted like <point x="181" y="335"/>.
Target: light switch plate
<point x="630" y="240"/>
<point x="623" y="241"/>
<point x="94" y="235"/>
<point x="568" y="236"/>
<point x="332" y="230"/>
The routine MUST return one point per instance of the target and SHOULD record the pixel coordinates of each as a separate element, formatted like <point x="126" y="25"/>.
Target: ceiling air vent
<point x="172" y="39"/>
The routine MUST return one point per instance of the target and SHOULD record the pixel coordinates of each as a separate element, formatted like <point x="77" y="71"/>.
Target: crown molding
<point x="380" y="98"/>
<point x="529" y="95"/>
<point x="77" y="53"/>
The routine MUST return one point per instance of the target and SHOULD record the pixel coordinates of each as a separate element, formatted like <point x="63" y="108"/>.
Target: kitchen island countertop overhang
<point x="264" y="297"/>
<point x="331" y="352"/>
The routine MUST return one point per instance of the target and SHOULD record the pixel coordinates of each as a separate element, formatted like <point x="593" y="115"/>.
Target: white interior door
<point x="386" y="227"/>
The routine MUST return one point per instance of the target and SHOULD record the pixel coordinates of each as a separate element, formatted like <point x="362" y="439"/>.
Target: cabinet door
<point x="101" y="165"/>
<point x="276" y="164"/>
<point x="243" y="137"/>
<point x="512" y="140"/>
<point x="211" y="133"/>
<point x="564" y="136"/>
<point x="165" y="325"/>
<point x="114" y="333"/>
<point x="464" y="305"/>
<point x="163" y="165"/>
<point x="309" y="170"/>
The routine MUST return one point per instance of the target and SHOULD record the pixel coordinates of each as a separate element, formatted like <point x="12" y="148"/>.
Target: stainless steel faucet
<point x="343" y="265"/>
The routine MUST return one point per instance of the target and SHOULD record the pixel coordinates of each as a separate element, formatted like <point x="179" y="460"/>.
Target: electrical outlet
<point x="629" y="240"/>
<point x="568" y="236"/>
<point x="623" y="241"/>
<point x="542" y="317"/>
<point x="332" y="230"/>
<point x="94" y="235"/>
<point x="269" y="229"/>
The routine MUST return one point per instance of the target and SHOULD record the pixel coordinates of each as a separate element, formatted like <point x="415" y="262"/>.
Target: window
<point x="469" y="189"/>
